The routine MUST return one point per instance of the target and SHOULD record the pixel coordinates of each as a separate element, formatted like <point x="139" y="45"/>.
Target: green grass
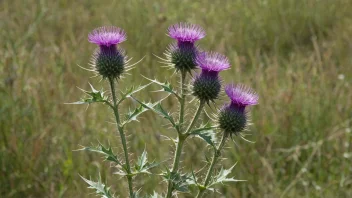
<point x="293" y="52"/>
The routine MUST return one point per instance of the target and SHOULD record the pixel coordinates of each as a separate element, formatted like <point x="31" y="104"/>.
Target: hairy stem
<point x="175" y="165"/>
<point x="212" y="165"/>
<point x="196" y="116"/>
<point x="182" y="101"/>
<point x="178" y="153"/>
<point x="181" y="138"/>
<point x="122" y="135"/>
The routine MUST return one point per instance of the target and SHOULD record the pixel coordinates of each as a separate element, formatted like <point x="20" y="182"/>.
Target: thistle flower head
<point x="232" y="117"/>
<point x="241" y="96"/>
<point x="212" y="61"/>
<point x="110" y="60"/>
<point x="231" y="120"/>
<point x="186" y="32"/>
<point x="207" y="85"/>
<point x="107" y="36"/>
<point x="182" y="56"/>
<point x="109" y="63"/>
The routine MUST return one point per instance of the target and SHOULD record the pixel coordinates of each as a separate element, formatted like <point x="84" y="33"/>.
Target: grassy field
<point x="297" y="54"/>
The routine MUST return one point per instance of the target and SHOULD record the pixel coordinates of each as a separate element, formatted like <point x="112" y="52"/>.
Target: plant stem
<point x="196" y="116"/>
<point x="178" y="153"/>
<point x="181" y="138"/>
<point x="122" y="135"/>
<point x="174" y="170"/>
<point x="212" y="165"/>
<point x="182" y="101"/>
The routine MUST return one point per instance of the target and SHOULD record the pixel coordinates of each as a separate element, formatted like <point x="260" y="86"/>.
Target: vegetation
<point x="295" y="53"/>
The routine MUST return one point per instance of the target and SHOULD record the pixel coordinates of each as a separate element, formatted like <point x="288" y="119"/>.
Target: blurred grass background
<point x="296" y="53"/>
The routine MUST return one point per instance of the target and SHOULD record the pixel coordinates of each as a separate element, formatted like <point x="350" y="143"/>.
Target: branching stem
<point x="181" y="138"/>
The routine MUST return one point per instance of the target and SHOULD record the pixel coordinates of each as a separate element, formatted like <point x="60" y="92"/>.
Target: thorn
<point x="86" y="68"/>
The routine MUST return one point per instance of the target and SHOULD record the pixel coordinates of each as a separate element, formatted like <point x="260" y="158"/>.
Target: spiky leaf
<point x="101" y="189"/>
<point x="142" y="165"/>
<point x="130" y="91"/>
<point x="157" y="108"/>
<point x="142" y="160"/>
<point x="223" y="177"/>
<point x="93" y="96"/>
<point x="161" y="111"/>
<point x="107" y="152"/>
<point x="180" y="181"/>
<point x="206" y="133"/>
<point x="133" y="115"/>
<point x="166" y="86"/>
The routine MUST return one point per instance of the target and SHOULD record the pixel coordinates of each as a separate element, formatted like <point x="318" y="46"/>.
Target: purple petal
<point x="107" y="35"/>
<point x="241" y="95"/>
<point x="213" y="61"/>
<point x="186" y="32"/>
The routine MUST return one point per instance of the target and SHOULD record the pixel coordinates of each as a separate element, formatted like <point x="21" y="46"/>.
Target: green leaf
<point x="180" y="181"/>
<point x="120" y="172"/>
<point x="149" y="166"/>
<point x="142" y="165"/>
<point x="100" y="188"/>
<point x="107" y="152"/>
<point x="167" y="87"/>
<point x="206" y="133"/>
<point x="132" y="90"/>
<point x="222" y="177"/>
<point x="132" y="115"/>
<point x="160" y="110"/>
<point x="93" y="96"/>
<point x="157" y="108"/>
<point x="142" y="160"/>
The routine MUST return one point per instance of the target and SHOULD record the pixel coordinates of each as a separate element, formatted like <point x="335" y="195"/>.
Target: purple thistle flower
<point x="107" y="36"/>
<point x="232" y="117"/>
<point x="109" y="61"/>
<point x="212" y="62"/>
<point x="186" y="32"/>
<point x="183" y="54"/>
<point x="207" y="85"/>
<point x="241" y="96"/>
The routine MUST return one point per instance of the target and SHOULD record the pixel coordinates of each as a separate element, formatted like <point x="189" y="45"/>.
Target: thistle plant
<point x="196" y="90"/>
<point x="110" y="62"/>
